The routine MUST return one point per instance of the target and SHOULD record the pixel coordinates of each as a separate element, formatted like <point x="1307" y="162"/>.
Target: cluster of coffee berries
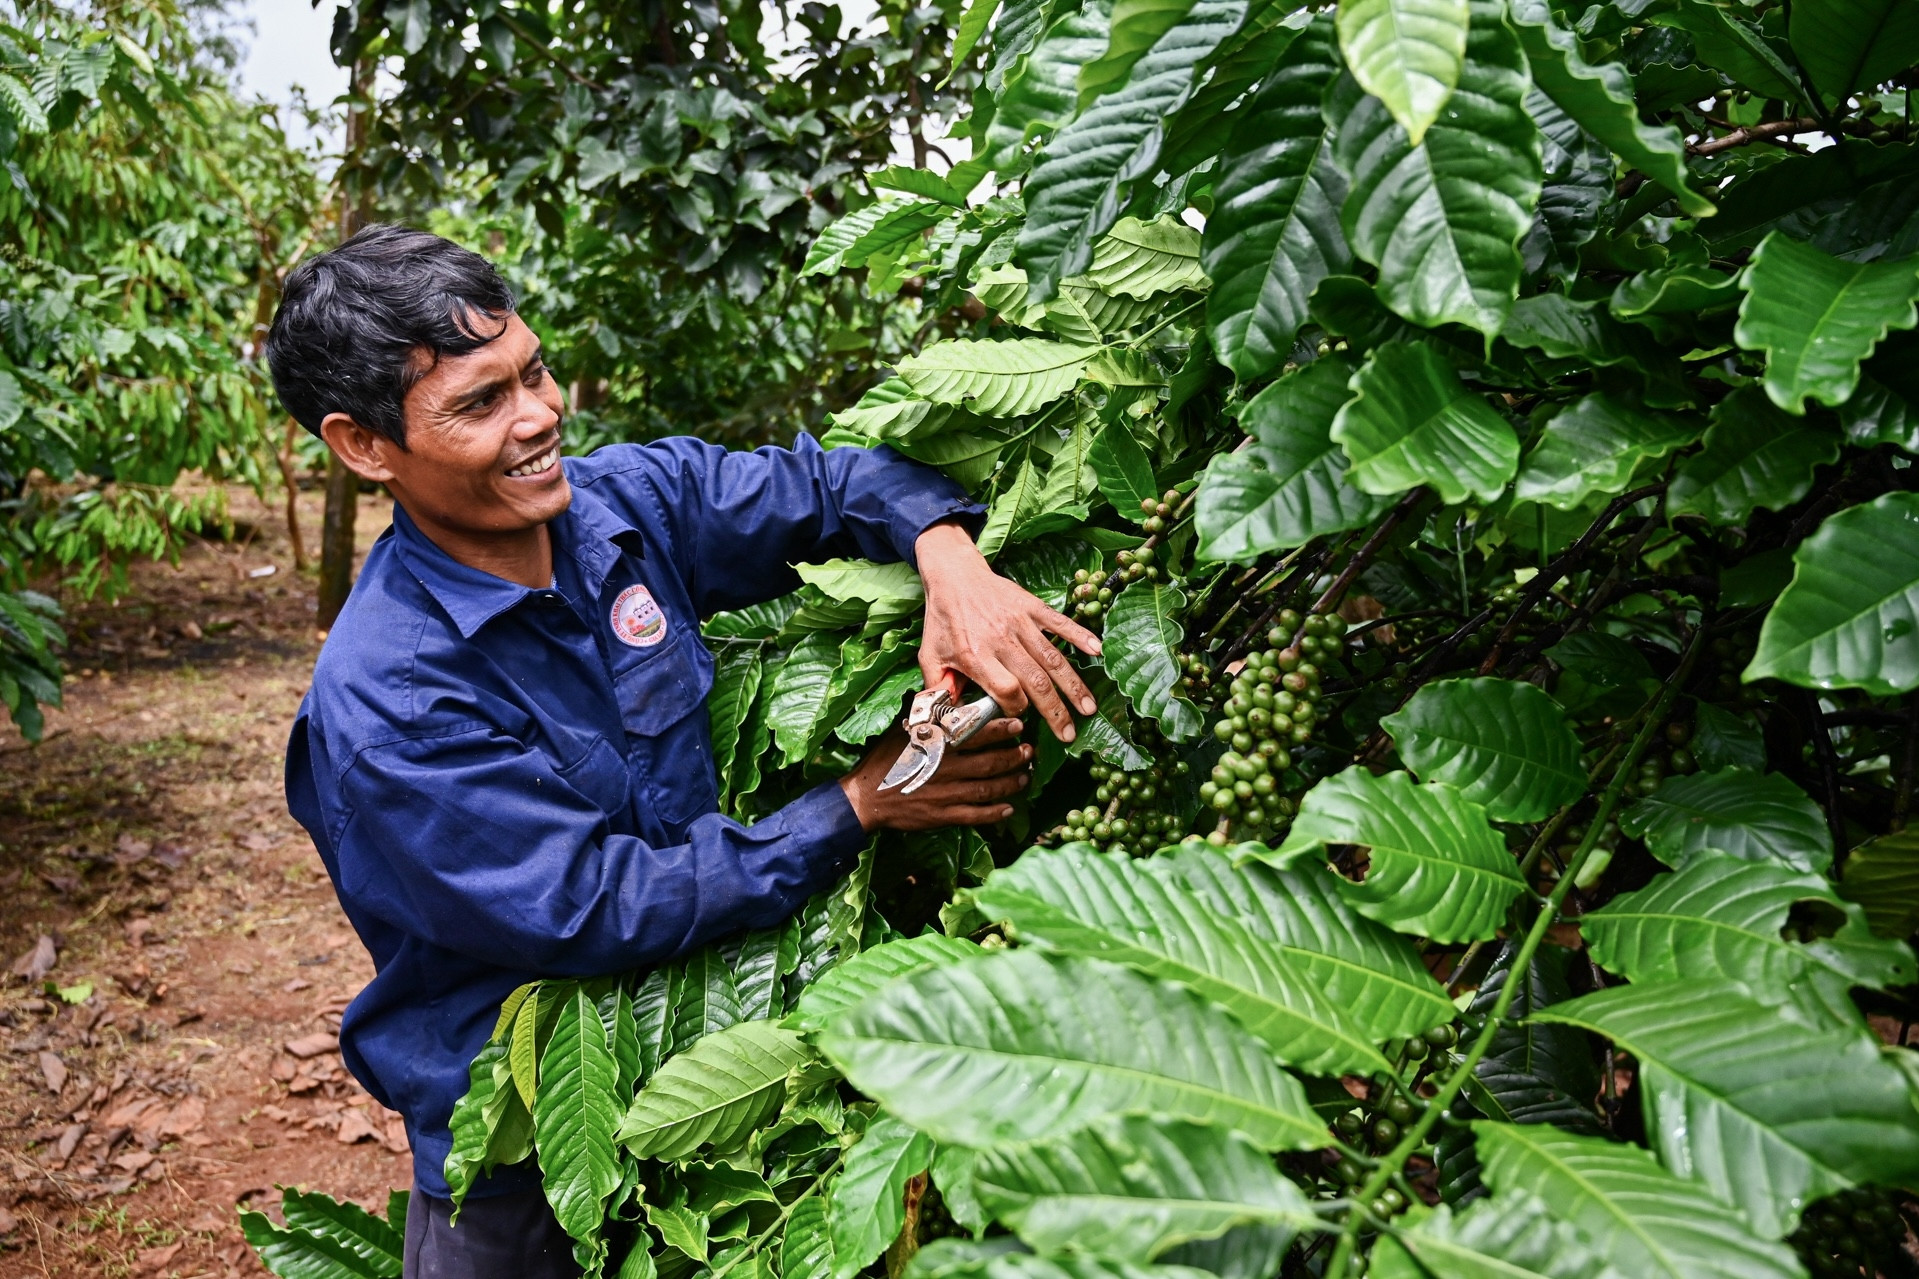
<point x="1272" y="705"/>
<point x="1855" y="1232"/>
<point x="1731" y="654"/>
<point x="1196" y="677"/>
<point x="1092" y="596"/>
<point x="1376" y="1126"/>
<point x="1159" y="512"/>
<point x="1133" y="812"/>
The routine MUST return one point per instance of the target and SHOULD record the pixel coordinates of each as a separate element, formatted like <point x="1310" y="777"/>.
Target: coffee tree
<point x="145" y="216"/>
<point x="1481" y="431"/>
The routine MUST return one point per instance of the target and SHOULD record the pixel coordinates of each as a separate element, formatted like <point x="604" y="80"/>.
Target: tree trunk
<point x="342" y="486"/>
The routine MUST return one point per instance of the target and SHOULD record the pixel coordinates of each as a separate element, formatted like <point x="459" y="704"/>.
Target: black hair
<point x="359" y="325"/>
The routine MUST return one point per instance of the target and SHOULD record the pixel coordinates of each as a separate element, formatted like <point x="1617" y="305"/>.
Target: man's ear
<point x="364" y="452"/>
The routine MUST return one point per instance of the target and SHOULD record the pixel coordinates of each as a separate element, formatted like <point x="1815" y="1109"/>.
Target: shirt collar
<point x="592" y="535"/>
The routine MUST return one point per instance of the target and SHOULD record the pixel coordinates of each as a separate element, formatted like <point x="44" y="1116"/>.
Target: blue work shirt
<point x="508" y="783"/>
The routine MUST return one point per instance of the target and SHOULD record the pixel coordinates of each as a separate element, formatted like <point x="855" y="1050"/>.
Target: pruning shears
<point x="935" y="721"/>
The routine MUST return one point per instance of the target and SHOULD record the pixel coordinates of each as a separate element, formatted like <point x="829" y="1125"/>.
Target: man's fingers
<point x="1070" y="631"/>
<point x="943" y="792"/>
<point x="1005" y="687"/>
<point x="995" y="732"/>
<point x="961" y="765"/>
<point x="1061" y="673"/>
<point x="1038" y="686"/>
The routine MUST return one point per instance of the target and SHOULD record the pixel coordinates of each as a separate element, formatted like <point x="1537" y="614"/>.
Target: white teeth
<point x="543" y="462"/>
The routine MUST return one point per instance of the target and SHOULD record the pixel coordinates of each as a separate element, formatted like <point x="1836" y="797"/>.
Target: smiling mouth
<point x="537" y="465"/>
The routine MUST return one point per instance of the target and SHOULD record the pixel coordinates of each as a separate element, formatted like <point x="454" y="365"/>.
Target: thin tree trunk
<point x="285" y="458"/>
<point x="342" y="485"/>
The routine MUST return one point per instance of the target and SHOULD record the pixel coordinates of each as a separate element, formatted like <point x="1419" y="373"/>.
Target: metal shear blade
<point x="933" y="724"/>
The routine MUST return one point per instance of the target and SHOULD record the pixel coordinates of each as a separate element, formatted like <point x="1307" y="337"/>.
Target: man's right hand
<point x="966" y="791"/>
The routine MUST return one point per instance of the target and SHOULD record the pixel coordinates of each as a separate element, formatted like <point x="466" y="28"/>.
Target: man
<point x="504" y="757"/>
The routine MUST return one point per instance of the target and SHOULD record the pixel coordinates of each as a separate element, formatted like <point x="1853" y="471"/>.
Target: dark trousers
<point x="503" y="1237"/>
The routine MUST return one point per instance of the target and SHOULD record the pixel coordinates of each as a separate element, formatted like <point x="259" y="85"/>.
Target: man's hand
<point x="967" y="791"/>
<point x="991" y="631"/>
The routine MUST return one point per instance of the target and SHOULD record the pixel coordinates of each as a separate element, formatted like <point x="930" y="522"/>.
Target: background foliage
<point x="144" y="220"/>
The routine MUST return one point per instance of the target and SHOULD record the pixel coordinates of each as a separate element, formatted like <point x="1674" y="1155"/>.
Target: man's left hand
<point x="982" y="627"/>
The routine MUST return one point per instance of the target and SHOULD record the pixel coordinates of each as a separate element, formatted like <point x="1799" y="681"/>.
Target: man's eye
<point x="482" y="402"/>
<point x="536" y="374"/>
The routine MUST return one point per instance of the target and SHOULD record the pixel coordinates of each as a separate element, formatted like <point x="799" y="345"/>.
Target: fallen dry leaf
<point x="55" y="1071"/>
<point x="312" y="1045"/>
<point x="354" y="1126"/>
<point x="154" y="1260"/>
<point x="183" y="1118"/>
<point x="133" y="1161"/>
<point x="37" y="962"/>
<point x="68" y="1140"/>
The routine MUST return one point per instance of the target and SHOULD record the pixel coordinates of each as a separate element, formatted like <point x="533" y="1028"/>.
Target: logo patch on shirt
<point x="637" y="619"/>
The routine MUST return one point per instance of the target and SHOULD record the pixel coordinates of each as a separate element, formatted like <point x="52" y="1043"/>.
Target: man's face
<point x="482" y="449"/>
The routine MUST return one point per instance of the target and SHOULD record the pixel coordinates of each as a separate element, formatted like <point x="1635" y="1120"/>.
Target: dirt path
<point x="147" y="842"/>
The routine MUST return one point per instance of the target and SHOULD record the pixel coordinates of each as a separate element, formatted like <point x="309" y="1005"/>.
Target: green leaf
<point x="653" y="1018"/>
<point x="1533" y="1072"/>
<point x="1729" y="43"/>
<point x="1721" y="739"/>
<point x="1882" y="876"/>
<point x="798" y="696"/>
<point x="1769" y="1113"/>
<point x="1412" y="422"/>
<point x="1502" y="743"/>
<point x="1289" y="485"/>
<point x="1755" y="456"/>
<point x="523" y="1049"/>
<point x="1021" y="1047"/>
<point x="714" y="1093"/>
<point x="1409" y="54"/>
<point x="954" y="1259"/>
<point x="1081" y="185"/>
<point x="850" y="983"/>
<point x="20" y="107"/>
<point x="1137" y="26"/>
<point x="997" y="379"/>
<point x="1511" y="1237"/>
<point x="680" y="1228"/>
<point x="1601" y="99"/>
<point x="736" y="683"/>
<point x="806" y="1250"/>
<point x="1142" y="640"/>
<point x="1274" y="231"/>
<point x="704" y="998"/>
<point x="1850" y="616"/>
<point x="829" y="251"/>
<point x="1719" y="917"/>
<point x="1595" y="446"/>
<point x="1760" y="817"/>
<point x="1442" y="219"/>
<point x="1017" y="505"/>
<point x="574" y="1119"/>
<point x="923" y="182"/>
<point x="375" y="1244"/>
<point x="880" y="709"/>
<point x="1816" y="317"/>
<point x="298" y="1254"/>
<point x="1041" y="90"/>
<point x="1853" y="44"/>
<point x="766" y="955"/>
<point x="863" y="580"/>
<point x="491" y="1124"/>
<point x="1132" y="1188"/>
<point x="868" y="1201"/>
<point x="1369" y="971"/>
<point x="1648" y="1222"/>
<point x="1139" y="259"/>
<point x="1686" y="288"/>
<point x="1436" y="868"/>
<point x="1124" y="473"/>
<point x="1100" y="906"/>
<point x="1107" y="732"/>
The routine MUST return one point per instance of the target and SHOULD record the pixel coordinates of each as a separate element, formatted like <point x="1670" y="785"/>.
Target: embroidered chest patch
<point x="637" y="618"/>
